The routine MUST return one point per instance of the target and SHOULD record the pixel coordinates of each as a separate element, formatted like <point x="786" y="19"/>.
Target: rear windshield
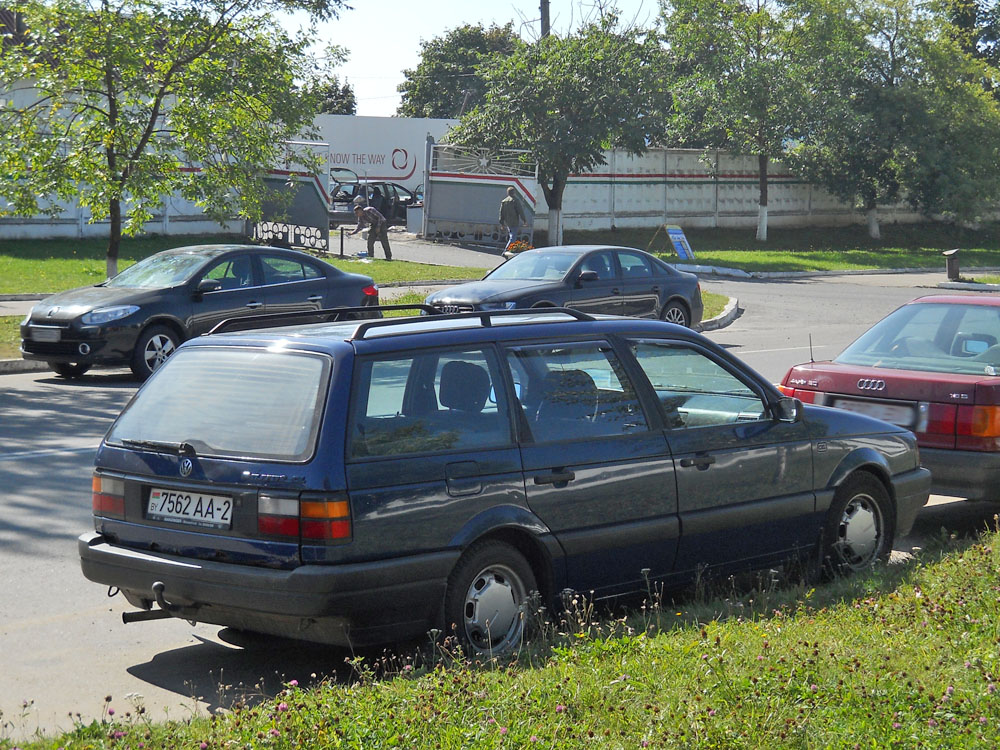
<point x="231" y="403"/>
<point x="958" y="339"/>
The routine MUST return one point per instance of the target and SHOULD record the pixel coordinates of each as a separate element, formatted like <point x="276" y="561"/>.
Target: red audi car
<point x="933" y="366"/>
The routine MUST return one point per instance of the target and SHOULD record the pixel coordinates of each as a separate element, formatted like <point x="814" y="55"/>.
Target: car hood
<point x="489" y="291"/>
<point x="73" y="303"/>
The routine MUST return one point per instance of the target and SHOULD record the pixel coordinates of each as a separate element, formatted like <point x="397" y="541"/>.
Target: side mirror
<point x="208" y="285"/>
<point x="587" y="276"/>
<point x="787" y="409"/>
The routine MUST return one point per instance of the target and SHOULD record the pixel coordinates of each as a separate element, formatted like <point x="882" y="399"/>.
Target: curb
<point x="15" y="366"/>
<point x="729" y="313"/>
<point x="23" y="297"/>
<point x="968" y="286"/>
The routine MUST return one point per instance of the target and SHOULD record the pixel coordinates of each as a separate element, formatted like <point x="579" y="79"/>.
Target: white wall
<point x="697" y="190"/>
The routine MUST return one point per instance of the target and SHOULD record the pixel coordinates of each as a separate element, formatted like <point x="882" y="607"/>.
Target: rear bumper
<point x="912" y="489"/>
<point x="971" y="474"/>
<point x="349" y="605"/>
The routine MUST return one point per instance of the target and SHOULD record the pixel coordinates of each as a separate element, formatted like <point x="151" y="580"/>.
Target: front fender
<point x="861" y="458"/>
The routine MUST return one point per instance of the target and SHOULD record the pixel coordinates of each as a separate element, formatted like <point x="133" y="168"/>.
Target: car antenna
<point x="811" y="358"/>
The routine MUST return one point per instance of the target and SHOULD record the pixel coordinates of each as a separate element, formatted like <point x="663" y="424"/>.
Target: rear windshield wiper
<point x="181" y="449"/>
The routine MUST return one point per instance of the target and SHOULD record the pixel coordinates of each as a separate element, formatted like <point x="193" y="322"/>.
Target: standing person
<point x="511" y="215"/>
<point x="377" y="227"/>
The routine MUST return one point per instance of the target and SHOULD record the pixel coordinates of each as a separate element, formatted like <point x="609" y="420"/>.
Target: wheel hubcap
<point x="493" y="616"/>
<point x="860" y="535"/>
<point x="675" y="315"/>
<point x="157" y="350"/>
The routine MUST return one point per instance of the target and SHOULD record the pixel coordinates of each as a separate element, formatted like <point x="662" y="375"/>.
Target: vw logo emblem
<point x="186" y="467"/>
<point x="870" y="384"/>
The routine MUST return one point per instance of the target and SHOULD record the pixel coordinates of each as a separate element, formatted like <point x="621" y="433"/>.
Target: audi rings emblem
<point x="186" y="467"/>
<point x="870" y="384"/>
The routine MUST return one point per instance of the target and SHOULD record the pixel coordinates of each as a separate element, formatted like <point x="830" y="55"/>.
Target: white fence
<point x="696" y="189"/>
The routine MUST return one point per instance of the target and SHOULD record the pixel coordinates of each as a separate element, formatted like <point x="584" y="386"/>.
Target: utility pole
<point x="544" y="8"/>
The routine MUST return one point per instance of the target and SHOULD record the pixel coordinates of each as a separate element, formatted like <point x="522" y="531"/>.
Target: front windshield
<point x="159" y="271"/>
<point x="531" y="266"/>
<point x="934" y="337"/>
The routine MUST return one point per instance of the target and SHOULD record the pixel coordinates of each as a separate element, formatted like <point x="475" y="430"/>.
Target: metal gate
<point x="464" y="188"/>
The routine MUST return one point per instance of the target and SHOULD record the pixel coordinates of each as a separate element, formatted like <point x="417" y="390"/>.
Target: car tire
<point x="71" y="370"/>
<point x="489" y="586"/>
<point x="675" y="312"/>
<point x="153" y="347"/>
<point x="859" y="527"/>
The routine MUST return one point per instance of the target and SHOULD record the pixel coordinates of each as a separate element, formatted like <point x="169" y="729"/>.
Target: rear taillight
<point x="108" y="498"/>
<point x="370" y="291"/>
<point x="325" y="517"/>
<point x="316" y="518"/>
<point x="978" y="428"/>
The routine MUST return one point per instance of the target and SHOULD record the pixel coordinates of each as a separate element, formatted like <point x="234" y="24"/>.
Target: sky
<point x="383" y="38"/>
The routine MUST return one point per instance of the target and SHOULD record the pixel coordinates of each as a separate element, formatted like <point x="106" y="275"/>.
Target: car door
<point x="640" y="287"/>
<point x="292" y="284"/>
<point x="430" y="447"/>
<point x="744" y="479"/>
<point x="596" y="295"/>
<point x="239" y="294"/>
<point x="595" y="472"/>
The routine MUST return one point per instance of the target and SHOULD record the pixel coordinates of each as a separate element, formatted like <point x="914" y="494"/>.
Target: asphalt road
<point x="63" y="647"/>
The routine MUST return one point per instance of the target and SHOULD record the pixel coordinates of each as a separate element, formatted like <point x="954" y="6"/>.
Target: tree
<point x="119" y="103"/>
<point x="336" y="99"/>
<point x="447" y="81"/>
<point x="565" y="100"/>
<point x="898" y="111"/>
<point x="748" y="90"/>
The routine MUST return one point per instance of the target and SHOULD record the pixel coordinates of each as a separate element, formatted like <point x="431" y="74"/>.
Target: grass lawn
<point x="903" y="657"/>
<point x="819" y="248"/>
<point x="10" y="337"/>
<point x="29" y="266"/>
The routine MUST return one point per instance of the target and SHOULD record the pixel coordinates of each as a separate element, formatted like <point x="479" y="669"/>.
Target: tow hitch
<point x="166" y="608"/>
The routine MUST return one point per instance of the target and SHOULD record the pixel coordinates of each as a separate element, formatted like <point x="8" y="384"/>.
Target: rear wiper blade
<point x="181" y="449"/>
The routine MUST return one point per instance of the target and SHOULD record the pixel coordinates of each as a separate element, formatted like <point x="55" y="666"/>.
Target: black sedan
<point x="590" y="278"/>
<point x="139" y="317"/>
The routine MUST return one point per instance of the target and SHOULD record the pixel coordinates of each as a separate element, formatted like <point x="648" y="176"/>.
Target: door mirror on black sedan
<point x="787" y="409"/>
<point x="208" y="285"/>
<point x="588" y="275"/>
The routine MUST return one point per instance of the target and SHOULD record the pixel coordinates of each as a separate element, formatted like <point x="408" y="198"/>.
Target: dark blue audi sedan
<point x="367" y="481"/>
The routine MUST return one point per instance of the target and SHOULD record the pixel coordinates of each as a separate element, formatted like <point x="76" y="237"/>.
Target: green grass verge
<point x="10" y="336"/>
<point x="818" y="248"/>
<point x="29" y="266"/>
<point x="903" y="657"/>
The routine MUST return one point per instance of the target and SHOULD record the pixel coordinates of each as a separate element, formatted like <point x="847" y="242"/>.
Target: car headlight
<point x="107" y="314"/>
<point x="497" y="305"/>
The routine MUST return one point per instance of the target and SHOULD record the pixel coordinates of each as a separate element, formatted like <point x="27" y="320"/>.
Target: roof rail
<point x="484" y="316"/>
<point x="327" y="315"/>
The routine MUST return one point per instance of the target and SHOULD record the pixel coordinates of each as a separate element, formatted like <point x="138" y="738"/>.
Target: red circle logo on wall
<point x="400" y="158"/>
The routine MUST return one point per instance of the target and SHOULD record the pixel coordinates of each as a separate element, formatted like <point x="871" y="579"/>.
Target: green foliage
<point x="448" y="80"/>
<point x="565" y="100"/>
<point x="121" y="105"/>
<point x="907" y="119"/>
<point x="10" y="336"/>
<point x="337" y="99"/>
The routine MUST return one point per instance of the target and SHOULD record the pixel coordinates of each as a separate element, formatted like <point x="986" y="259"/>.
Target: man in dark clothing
<point x="511" y="215"/>
<point x="377" y="227"/>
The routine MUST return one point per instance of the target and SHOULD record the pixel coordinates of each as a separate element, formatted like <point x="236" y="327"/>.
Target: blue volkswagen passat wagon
<point x="363" y="482"/>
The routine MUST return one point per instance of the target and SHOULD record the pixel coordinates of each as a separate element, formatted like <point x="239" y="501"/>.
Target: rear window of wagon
<point x="239" y="402"/>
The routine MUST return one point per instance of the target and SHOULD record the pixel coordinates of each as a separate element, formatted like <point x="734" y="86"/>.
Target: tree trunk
<point x="554" y="198"/>
<point x="762" y="206"/>
<point x="115" y="237"/>
<point x="871" y="212"/>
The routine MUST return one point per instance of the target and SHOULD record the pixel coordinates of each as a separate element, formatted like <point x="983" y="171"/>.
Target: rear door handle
<point x="254" y="305"/>
<point x="702" y="462"/>
<point x="556" y="476"/>
<point x="615" y="291"/>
